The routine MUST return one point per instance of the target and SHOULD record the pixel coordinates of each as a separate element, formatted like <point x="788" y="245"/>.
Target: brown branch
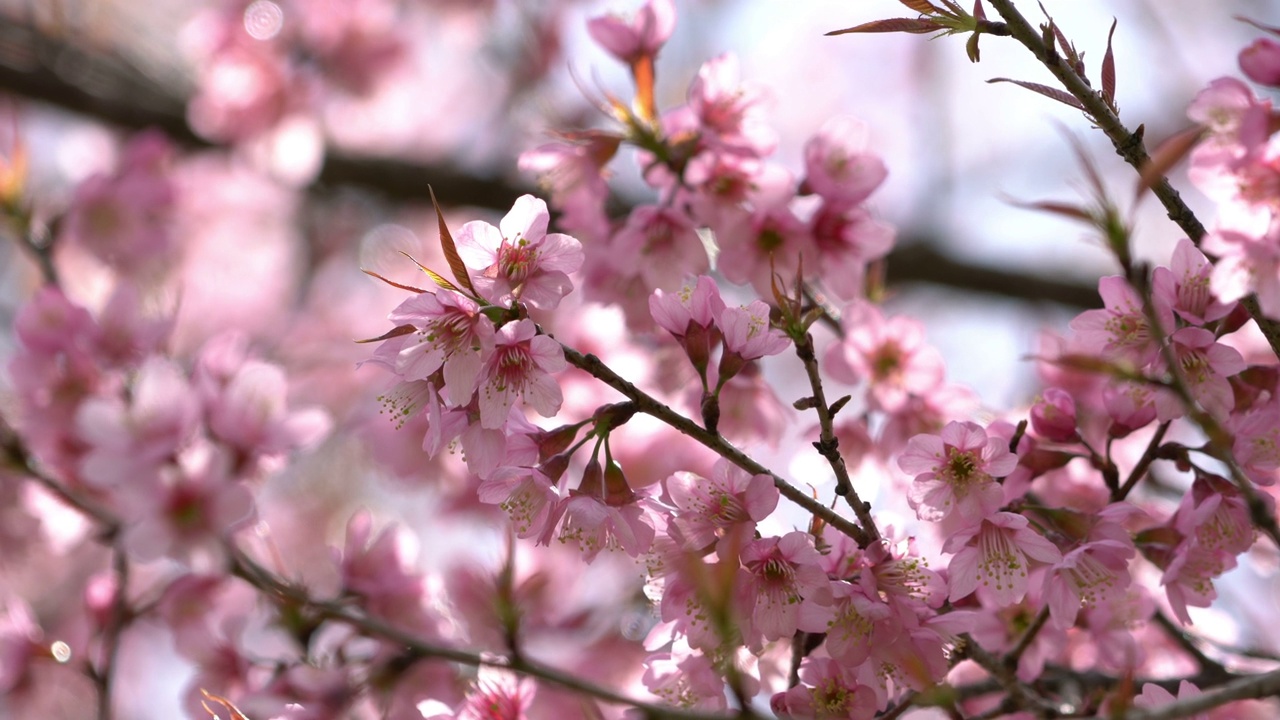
<point x="659" y="410"/>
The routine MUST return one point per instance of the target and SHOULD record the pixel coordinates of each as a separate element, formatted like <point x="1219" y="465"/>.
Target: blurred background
<point x="292" y="180"/>
<point x="475" y="83"/>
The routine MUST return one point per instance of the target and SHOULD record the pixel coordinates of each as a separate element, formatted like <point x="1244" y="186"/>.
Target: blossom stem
<point x="1028" y="636"/>
<point x="827" y="444"/>
<point x="593" y="366"/>
<point x="1140" y="469"/>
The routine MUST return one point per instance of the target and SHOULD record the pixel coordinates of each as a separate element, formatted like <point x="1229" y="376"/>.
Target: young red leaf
<point x="456" y="266"/>
<point x="1060" y="95"/>
<point x="1069" y="211"/>
<point x="924" y="7"/>
<point x="1169" y="153"/>
<point x="392" y="283"/>
<point x="397" y="331"/>
<point x="906" y="25"/>
<point x="978" y="12"/>
<point x="1109" y="71"/>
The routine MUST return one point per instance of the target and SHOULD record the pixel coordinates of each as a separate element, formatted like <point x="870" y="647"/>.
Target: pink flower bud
<point x="1054" y="416"/>
<point x="640" y="36"/>
<point x="1261" y="62"/>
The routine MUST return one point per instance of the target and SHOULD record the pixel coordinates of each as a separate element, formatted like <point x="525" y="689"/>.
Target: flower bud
<point x="1261" y="62"/>
<point x="1053" y="417"/>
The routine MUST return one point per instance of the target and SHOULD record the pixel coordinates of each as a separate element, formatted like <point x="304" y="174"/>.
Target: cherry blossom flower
<point x="847" y="239"/>
<point x="890" y="355"/>
<point x="519" y="260"/>
<point x="1256" y="442"/>
<point x="1205" y="365"/>
<point x="1120" y="330"/>
<point x="1246" y="264"/>
<point x="1053" y="416"/>
<point x="447" y="336"/>
<point x="1153" y="696"/>
<point x="747" y="336"/>
<point x="838" y="166"/>
<point x="955" y="472"/>
<point x="660" y="244"/>
<point x="708" y="507"/>
<point x="525" y="494"/>
<point x="1260" y="62"/>
<point x="785" y="588"/>
<point x="498" y="695"/>
<point x="640" y="36"/>
<point x="685" y="678"/>
<point x="994" y="558"/>
<point x="729" y="113"/>
<point x="826" y="692"/>
<point x="130" y="442"/>
<point x="1184" y="286"/>
<point x="518" y="363"/>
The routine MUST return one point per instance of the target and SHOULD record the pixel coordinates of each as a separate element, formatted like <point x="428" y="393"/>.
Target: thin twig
<point x="249" y="570"/>
<point x="827" y="444"/>
<point x="1140" y="469"/>
<point x="593" y="366"/>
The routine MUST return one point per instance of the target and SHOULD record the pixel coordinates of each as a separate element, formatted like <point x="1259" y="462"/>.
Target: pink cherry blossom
<point x="519" y="260"/>
<point x="592" y="525"/>
<point x="890" y="355"/>
<point x="955" y="472"/>
<point x="994" y="558"/>
<point x="1260" y="62"/>
<point x="847" y="240"/>
<point x="748" y="336"/>
<point x="1121" y="329"/>
<point x="1246" y="265"/>
<point x="518" y="363"/>
<point x="660" y="244"/>
<point x="826" y="692"/>
<point x="1256" y="443"/>
<point x="640" y="36"/>
<point x="1053" y="416"/>
<point x="838" y="166"/>
<point x="498" y="695"/>
<point x="785" y="590"/>
<point x="729" y="112"/>
<point x="707" y="507"/>
<point x="525" y="494"/>
<point x="447" y="335"/>
<point x="1153" y="696"/>
<point x="1184" y="286"/>
<point x="685" y="678"/>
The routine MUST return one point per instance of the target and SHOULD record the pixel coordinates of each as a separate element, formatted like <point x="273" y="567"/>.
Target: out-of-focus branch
<point x="58" y="72"/>
<point x="1250" y="688"/>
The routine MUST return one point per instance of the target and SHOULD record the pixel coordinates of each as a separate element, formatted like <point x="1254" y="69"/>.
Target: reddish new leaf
<point x="1109" y="71"/>
<point x="978" y="12"/>
<point x="392" y="283"/>
<point x="906" y="25"/>
<point x="456" y="266"/>
<point x="397" y="331"/>
<point x="1072" y="212"/>
<point x="1060" y="95"/>
<point x="1169" y="153"/>
<point x="924" y="7"/>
